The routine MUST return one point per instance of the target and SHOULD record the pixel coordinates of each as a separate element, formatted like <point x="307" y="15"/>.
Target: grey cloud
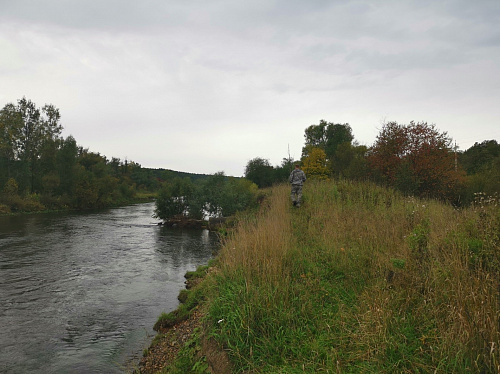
<point x="100" y="15"/>
<point x="157" y="71"/>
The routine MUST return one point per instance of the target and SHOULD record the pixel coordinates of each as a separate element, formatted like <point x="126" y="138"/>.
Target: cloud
<point x="206" y="86"/>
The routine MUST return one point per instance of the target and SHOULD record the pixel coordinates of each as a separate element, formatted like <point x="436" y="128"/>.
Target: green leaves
<point x="217" y="195"/>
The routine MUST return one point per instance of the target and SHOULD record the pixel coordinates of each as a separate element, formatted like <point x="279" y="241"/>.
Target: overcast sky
<point x="205" y="86"/>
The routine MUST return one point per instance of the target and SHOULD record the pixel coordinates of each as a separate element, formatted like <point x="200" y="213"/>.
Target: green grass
<point x="189" y="298"/>
<point x="359" y="279"/>
<point x="188" y="360"/>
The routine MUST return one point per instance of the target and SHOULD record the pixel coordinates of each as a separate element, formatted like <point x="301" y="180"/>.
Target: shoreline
<point x="140" y="200"/>
<point x="182" y="329"/>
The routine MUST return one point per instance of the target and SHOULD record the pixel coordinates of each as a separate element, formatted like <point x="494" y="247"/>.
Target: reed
<point x="359" y="279"/>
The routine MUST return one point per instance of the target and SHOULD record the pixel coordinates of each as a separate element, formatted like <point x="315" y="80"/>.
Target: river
<point x="80" y="292"/>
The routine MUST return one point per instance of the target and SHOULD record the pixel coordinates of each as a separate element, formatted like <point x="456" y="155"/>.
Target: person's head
<point x="297" y="166"/>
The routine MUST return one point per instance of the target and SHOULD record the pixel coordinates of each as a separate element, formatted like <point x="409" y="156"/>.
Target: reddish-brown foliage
<point x="417" y="158"/>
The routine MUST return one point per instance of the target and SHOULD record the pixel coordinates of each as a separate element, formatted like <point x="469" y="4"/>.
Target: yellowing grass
<point x="360" y="279"/>
<point x="261" y="242"/>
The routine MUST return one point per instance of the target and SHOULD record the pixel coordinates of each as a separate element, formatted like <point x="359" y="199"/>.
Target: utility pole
<point x="456" y="159"/>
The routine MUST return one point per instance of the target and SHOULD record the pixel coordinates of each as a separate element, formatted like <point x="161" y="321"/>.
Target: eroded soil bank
<point x="184" y="328"/>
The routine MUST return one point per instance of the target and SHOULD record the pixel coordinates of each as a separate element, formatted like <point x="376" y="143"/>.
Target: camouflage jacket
<point x="297" y="176"/>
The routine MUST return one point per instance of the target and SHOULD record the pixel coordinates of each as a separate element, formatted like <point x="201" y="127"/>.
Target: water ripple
<point x="81" y="292"/>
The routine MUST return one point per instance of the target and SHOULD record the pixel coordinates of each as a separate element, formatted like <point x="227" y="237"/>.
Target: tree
<point x="10" y="127"/>
<point x="416" y="154"/>
<point x="238" y="195"/>
<point x="282" y="172"/>
<point x="482" y="163"/>
<point x="30" y="129"/>
<point x="217" y="195"/>
<point x="315" y="135"/>
<point x="327" y="136"/>
<point x="314" y="165"/>
<point x="174" y="198"/>
<point x="480" y="156"/>
<point x="350" y="161"/>
<point x="260" y="172"/>
<point x="336" y="135"/>
<point x="57" y="170"/>
<point x="85" y="192"/>
<point x="223" y="196"/>
<point x="66" y="161"/>
<point x="213" y="191"/>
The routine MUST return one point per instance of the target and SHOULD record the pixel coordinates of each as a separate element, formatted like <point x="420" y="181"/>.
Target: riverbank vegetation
<point x="359" y="279"/>
<point x="415" y="158"/>
<point x="215" y="196"/>
<point x="41" y="170"/>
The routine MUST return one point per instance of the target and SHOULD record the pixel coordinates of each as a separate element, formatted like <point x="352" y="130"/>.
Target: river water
<point x="80" y="293"/>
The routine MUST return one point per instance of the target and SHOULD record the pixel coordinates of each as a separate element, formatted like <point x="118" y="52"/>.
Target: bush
<point x="216" y="196"/>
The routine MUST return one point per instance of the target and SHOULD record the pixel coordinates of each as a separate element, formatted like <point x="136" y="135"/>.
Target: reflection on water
<point x="81" y="292"/>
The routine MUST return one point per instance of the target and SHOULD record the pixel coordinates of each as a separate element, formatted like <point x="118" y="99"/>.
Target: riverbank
<point x="358" y="279"/>
<point x="31" y="207"/>
<point x="181" y="342"/>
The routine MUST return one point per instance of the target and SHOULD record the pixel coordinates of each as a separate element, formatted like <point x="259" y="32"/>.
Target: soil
<point x="167" y="344"/>
<point x="169" y="341"/>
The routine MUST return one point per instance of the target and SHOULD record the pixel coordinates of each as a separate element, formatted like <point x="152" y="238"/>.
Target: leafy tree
<point x="144" y="178"/>
<point x="486" y="181"/>
<point x="10" y="195"/>
<point x="11" y="188"/>
<point x="224" y="196"/>
<point x="314" y="164"/>
<point x="50" y="183"/>
<point x="107" y="190"/>
<point x="238" y="194"/>
<point x="174" y="198"/>
<point x="47" y="162"/>
<point x="416" y="154"/>
<point x="480" y="156"/>
<point x="336" y="135"/>
<point x="213" y="191"/>
<point x="26" y="130"/>
<point x="315" y="135"/>
<point x="350" y="161"/>
<point x="85" y="192"/>
<point x="327" y="136"/>
<point x="91" y="161"/>
<point x="10" y="127"/>
<point x="217" y="195"/>
<point x="282" y="172"/>
<point x="57" y="171"/>
<point x="260" y="172"/>
<point x="66" y="164"/>
<point x="482" y="163"/>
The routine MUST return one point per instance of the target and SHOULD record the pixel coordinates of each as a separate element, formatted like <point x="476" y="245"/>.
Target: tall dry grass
<point x="261" y="242"/>
<point x="360" y="279"/>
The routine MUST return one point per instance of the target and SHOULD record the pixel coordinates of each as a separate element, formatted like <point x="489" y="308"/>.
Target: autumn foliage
<point x="417" y="159"/>
<point x="314" y="164"/>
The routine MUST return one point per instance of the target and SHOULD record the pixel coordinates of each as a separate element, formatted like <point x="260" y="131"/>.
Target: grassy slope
<point x="359" y="279"/>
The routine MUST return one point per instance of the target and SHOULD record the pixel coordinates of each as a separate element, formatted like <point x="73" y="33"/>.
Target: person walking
<point x="297" y="179"/>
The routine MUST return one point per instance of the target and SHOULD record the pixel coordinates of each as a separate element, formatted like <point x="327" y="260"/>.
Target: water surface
<point x="80" y="292"/>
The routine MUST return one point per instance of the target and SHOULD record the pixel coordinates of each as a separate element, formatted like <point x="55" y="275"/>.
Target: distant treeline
<point x="41" y="170"/>
<point x="414" y="158"/>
